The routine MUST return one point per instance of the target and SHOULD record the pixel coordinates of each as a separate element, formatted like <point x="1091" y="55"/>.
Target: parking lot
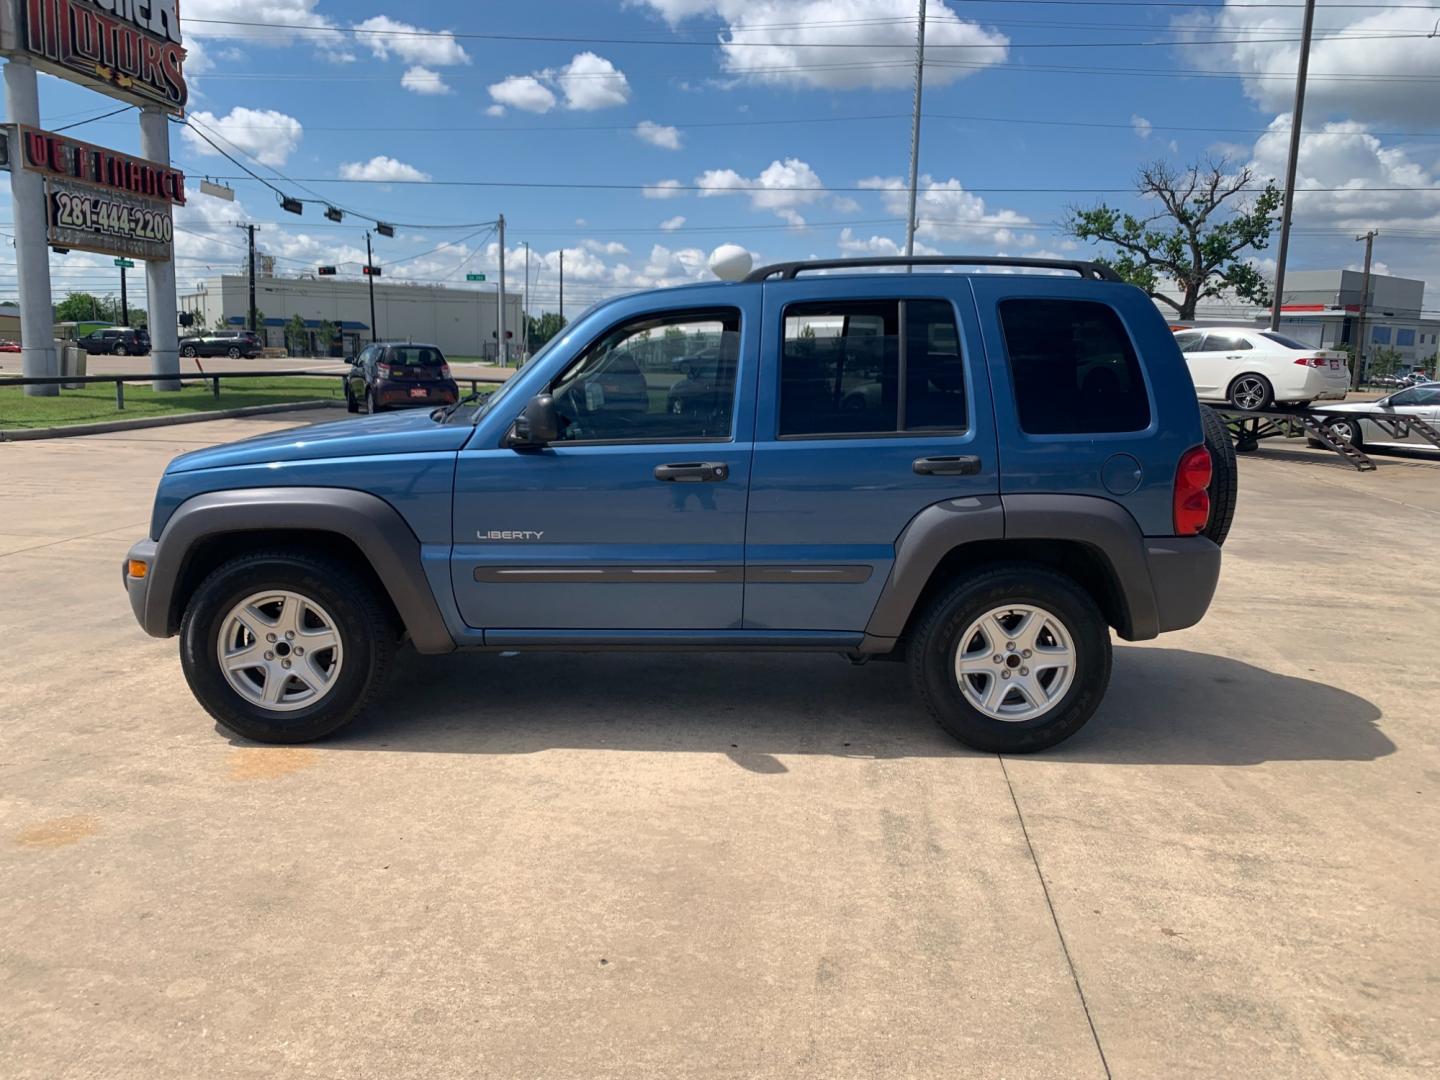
<point x="662" y="866"/>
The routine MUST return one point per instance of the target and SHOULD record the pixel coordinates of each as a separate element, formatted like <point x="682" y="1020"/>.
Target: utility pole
<point x="915" y="132"/>
<point x="1287" y="207"/>
<point x="502" y="354"/>
<point x="1369" y="239"/>
<point x="124" y="301"/>
<point x="562" y="288"/>
<point x="250" y="315"/>
<point x="525" y="308"/>
<point x="370" y="277"/>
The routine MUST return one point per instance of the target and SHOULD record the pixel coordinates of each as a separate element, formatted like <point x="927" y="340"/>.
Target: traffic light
<point x="383" y="229"/>
<point x="370" y="271"/>
<point x="334" y="214"/>
<point x="327" y="271"/>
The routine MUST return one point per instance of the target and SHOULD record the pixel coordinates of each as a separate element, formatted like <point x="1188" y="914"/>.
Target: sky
<point x="639" y="135"/>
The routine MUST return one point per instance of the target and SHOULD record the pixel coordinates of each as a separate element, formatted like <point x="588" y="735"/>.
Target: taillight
<point x="382" y="370"/>
<point x="445" y="371"/>
<point x="1192" y="497"/>
<point x="1312" y="361"/>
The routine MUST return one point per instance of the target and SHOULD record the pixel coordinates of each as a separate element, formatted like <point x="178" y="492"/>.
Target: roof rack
<point x="787" y="271"/>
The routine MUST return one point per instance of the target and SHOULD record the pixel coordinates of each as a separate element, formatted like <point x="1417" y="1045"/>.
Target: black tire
<point x="936" y="641"/>
<point x="1244" y="382"/>
<point x="351" y="405"/>
<point x="188" y="352"/>
<point x="1346" y="430"/>
<point x="1224" y="478"/>
<point x="372" y="403"/>
<point x="233" y="353"/>
<point x="366" y="631"/>
<point x="120" y="350"/>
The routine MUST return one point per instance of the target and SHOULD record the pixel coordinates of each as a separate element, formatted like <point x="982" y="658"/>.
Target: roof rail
<point x="787" y="271"/>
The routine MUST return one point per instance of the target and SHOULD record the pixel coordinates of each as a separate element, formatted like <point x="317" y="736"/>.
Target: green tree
<point x="326" y="334"/>
<point x="544" y="328"/>
<point x="1198" y="237"/>
<point x="80" y="307"/>
<point x="297" y="337"/>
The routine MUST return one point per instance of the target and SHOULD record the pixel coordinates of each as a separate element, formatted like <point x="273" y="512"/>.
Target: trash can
<point x="73" y="362"/>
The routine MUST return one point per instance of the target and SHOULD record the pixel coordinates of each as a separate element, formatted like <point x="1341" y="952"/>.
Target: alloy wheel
<point x="280" y="651"/>
<point x="1250" y="392"/>
<point x="1015" y="663"/>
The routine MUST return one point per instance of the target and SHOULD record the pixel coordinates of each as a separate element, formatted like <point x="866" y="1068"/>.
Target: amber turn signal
<point x="138" y="568"/>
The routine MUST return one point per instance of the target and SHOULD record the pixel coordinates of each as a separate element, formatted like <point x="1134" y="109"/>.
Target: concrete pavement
<point x="652" y="866"/>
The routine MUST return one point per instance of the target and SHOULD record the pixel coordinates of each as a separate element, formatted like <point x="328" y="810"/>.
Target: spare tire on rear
<point x="1224" y="478"/>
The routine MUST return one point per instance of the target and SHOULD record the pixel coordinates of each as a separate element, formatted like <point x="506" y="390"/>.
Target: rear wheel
<point x="351" y="405"/>
<point x="372" y="402"/>
<point x="284" y="647"/>
<point x="1012" y="659"/>
<point x="1251" y="392"/>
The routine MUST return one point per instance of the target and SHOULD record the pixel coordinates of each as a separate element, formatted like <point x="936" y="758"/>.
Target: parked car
<point x="991" y="532"/>
<point x="10" y="346"/>
<point x="1254" y="369"/>
<point x="116" y="341"/>
<point x="232" y="343"/>
<point x="1389" y="382"/>
<point x="392" y="374"/>
<point x="1419" y="402"/>
<point x="705" y="384"/>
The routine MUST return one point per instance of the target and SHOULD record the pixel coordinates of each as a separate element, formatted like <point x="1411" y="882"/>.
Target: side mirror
<point x="538" y="425"/>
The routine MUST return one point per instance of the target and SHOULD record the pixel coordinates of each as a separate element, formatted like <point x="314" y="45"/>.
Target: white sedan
<point x="1254" y="369"/>
<point x="1418" y="402"/>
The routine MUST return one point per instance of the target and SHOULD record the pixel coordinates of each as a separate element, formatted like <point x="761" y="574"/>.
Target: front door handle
<point x="964" y="465"/>
<point x="693" y="472"/>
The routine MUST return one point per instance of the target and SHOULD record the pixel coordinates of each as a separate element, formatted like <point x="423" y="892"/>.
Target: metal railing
<point x="213" y="378"/>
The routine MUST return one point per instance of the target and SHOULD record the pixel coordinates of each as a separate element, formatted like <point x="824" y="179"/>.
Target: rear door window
<point x="1225" y="343"/>
<point x="1073" y="368"/>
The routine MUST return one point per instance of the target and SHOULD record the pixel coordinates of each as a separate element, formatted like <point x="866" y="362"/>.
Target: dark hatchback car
<point x="116" y="341"/>
<point x="390" y="375"/>
<point x="232" y="343"/>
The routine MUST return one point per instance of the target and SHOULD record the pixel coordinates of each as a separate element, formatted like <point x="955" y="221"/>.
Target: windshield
<point x="413" y="356"/>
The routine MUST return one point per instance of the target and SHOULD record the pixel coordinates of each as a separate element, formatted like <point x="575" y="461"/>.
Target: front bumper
<point x="139" y="588"/>
<point x="1184" y="571"/>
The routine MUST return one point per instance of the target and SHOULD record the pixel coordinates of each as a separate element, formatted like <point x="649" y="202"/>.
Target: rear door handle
<point x="693" y="472"/>
<point x="963" y="465"/>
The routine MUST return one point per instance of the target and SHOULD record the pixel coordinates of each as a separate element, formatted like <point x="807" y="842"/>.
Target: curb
<point x="31" y="434"/>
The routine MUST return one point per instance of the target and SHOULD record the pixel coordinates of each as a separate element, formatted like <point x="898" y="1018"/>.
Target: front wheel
<point x="188" y="352"/>
<point x="1012" y="659"/>
<point x="1347" y="431"/>
<point x="233" y="353"/>
<point x="285" y="647"/>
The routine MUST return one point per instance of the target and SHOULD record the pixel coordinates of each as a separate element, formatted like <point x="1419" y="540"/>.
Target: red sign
<point x="57" y="155"/>
<point x="132" y="48"/>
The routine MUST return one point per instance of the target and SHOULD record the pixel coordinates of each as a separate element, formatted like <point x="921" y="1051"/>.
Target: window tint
<point x="1189" y="342"/>
<point x="414" y="356"/>
<point x="1073" y="368"/>
<point x="1405" y="338"/>
<point x="665" y="378"/>
<point x="1380" y="335"/>
<point x="1225" y="343"/>
<point x="1281" y="339"/>
<point x="843" y="370"/>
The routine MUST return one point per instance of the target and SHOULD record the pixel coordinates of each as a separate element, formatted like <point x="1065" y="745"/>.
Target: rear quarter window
<point x="1073" y="368"/>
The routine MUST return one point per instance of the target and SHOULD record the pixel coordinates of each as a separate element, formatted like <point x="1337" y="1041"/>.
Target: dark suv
<point x="116" y="341"/>
<point x="395" y="375"/>
<point x="232" y="343"/>
<point x="982" y="475"/>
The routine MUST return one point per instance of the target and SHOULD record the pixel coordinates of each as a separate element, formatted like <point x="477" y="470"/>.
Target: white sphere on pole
<point x="730" y="262"/>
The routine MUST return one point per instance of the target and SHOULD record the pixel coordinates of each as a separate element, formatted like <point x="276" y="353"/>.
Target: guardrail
<point x="214" y="378"/>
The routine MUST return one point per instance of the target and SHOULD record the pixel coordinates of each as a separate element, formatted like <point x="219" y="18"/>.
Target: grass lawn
<point x="96" y="402"/>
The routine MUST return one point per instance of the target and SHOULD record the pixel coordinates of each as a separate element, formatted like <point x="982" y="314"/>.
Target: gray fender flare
<point x="372" y="524"/>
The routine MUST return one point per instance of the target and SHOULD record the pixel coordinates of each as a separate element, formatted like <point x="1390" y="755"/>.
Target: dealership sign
<point x="103" y="201"/>
<point x="130" y="49"/>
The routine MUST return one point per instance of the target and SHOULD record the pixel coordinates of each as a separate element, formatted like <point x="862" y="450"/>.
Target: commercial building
<point x="462" y="322"/>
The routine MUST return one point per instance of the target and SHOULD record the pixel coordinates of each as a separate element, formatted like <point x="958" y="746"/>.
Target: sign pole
<point x="160" y="273"/>
<point x="501" y="353"/>
<point x="370" y="277"/>
<point x="32" y="252"/>
<point x="124" y="299"/>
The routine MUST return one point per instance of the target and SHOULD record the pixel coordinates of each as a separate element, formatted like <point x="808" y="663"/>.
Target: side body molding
<point x="928" y="538"/>
<point x="372" y="524"/>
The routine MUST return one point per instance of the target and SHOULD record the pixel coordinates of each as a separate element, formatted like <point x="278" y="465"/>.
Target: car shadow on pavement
<point x="1164" y="706"/>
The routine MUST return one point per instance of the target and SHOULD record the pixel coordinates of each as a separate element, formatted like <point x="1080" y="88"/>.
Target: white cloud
<point x="782" y="187"/>
<point x="422" y="80"/>
<point x="667" y="138"/>
<point x="387" y="37"/>
<point x="850" y="244"/>
<point x="524" y="92"/>
<point x="665" y="189"/>
<point x="261" y="22"/>
<point x="841" y="44"/>
<point x="591" y="82"/>
<point x="495" y="110"/>
<point x="1142" y="126"/>
<point x="381" y="167"/>
<point x="268" y="136"/>
<point x="1360" y="44"/>
<point x="613" y="247"/>
<point x="945" y="210"/>
<point x="671" y="224"/>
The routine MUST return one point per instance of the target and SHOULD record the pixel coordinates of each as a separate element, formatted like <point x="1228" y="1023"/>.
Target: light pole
<point x="525" y="308"/>
<point x="915" y="132"/>
<point x="1287" y="207"/>
<point x="370" y="277"/>
<point x="1369" y="239"/>
<point x="501" y="353"/>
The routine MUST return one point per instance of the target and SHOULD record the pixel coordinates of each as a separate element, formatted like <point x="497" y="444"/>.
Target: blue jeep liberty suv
<point x="979" y="473"/>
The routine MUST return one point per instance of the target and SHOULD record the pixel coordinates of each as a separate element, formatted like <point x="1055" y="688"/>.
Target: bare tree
<point x="1196" y="240"/>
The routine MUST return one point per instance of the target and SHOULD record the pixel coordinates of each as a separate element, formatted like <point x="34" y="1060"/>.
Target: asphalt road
<point x="632" y="866"/>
